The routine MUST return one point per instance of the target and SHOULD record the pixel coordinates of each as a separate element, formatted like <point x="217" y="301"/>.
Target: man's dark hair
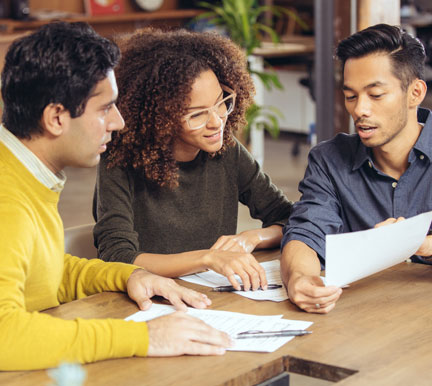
<point x="406" y="53"/>
<point x="59" y="63"/>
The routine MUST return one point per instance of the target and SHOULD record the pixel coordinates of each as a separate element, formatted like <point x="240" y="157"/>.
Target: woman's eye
<point x="197" y="115"/>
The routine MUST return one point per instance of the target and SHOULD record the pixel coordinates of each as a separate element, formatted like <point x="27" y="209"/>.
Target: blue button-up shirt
<point x="343" y="191"/>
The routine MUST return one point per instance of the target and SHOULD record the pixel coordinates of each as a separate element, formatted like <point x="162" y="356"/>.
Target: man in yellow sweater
<point x="59" y="94"/>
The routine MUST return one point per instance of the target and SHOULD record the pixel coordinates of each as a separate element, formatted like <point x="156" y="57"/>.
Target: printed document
<point x="272" y="270"/>
<point x="233" y="323"/>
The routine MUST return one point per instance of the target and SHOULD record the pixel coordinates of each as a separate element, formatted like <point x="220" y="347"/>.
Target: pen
<point x="230" y="288"/>
<point x="271" y="334"/>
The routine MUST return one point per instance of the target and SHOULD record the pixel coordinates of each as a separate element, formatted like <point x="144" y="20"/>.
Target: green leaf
<point x="241" y="19"/>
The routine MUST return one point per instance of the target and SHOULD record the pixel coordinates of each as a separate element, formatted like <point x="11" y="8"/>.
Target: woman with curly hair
<point x="168" y="188"/>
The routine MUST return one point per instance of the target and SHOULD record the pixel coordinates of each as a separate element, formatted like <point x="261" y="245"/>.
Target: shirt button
<point x="421" y="157"/>
<point x="394" y="184"/>
<point x="370" y="164"/>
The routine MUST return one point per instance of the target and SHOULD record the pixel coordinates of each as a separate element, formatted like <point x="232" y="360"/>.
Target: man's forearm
<point x="298" y="259"/>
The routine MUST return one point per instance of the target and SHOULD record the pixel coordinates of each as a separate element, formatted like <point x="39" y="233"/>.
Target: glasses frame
<point x="227" y="89"/>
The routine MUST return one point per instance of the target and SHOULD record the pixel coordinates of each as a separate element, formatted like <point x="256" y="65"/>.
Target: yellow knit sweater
<point x="36" y="274"/>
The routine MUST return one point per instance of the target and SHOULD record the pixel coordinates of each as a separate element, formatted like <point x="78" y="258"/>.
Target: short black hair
<point x="406" y="53"/>
<point x="59" y="63"/>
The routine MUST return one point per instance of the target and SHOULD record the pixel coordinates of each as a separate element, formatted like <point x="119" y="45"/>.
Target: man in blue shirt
<point x="355" y="181"/>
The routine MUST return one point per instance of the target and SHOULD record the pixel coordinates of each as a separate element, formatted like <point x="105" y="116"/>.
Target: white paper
<point x="272" y="270"/>
<point x="353" y="256"/>
<point x="233" y="323"/>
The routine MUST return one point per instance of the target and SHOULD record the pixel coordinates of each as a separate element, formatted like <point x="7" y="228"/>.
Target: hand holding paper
<point x="353" y="256"/>
<point x="425" y="248"/>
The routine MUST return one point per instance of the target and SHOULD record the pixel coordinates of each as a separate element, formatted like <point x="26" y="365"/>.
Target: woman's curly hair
<point x="155" y="78"/>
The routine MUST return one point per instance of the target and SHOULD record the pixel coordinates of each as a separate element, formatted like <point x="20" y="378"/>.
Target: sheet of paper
<point x="233" y="323"/>
<point x="353" y="256"/>
<point x="272" y="270"/>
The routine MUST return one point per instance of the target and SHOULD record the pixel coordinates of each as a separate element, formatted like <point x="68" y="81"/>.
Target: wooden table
<point x="380" y="333"/>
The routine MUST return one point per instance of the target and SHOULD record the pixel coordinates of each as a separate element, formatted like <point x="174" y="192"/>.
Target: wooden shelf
<point x="110" y="22"/>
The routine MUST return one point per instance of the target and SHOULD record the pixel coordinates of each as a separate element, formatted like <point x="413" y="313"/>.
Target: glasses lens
<point x="222" y="109"/>
<point x="198" y="120"/>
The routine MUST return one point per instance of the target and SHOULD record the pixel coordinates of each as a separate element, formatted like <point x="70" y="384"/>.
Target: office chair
<point x="79" y="241"/>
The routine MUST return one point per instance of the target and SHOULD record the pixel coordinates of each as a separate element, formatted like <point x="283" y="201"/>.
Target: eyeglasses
<point x="199" y="118"/>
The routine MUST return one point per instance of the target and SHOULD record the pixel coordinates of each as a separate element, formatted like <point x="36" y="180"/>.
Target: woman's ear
<point x="55" y="119"/>
<point x="416" y="92"/>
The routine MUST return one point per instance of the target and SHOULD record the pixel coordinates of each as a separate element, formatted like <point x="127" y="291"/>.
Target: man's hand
<point x="310" y="294"/>
<point x="143" y="285"/>
<point x="426" y="247"/>
<point x="179" y="334"/>
<point x="229" y="263"/>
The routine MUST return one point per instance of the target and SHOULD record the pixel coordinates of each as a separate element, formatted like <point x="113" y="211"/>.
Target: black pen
<point x="271" y="334"/>
<point x="230" y="288"/>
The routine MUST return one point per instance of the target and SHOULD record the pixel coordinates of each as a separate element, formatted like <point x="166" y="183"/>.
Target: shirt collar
<point x="423" y="144"/>
<point x="424" y="141"/>
<point x="362" y="155"/>
<point x="42" y="173"/>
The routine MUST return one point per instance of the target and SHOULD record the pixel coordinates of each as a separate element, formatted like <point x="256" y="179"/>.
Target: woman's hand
<point x="229" y="263"/>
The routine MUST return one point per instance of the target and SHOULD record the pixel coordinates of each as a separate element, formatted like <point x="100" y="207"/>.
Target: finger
<point x="203" y="333"/>
<point x="145" y="305"/>
<point x="176" y="301"/>
<point x="143" y="301"/>
<point x="328" y="300"/>
<point x="195" y="299"/>
<point x="426" y="247"/>
<point x="323" y="303"/>
<point x="196" y="348"/>
<point x="244" y="276"/>
<point x="253" y="276"/>
<point x="234" y="282"/>
<point x="314" y="292"/>
<point x="261" y="275"/>
<point x="305" y="300"/>
<point x="320" y="310"/>
<point x="385" y="222"/>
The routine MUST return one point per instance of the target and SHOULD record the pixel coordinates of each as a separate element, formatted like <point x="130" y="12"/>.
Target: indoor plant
<point x="242" y="21"/>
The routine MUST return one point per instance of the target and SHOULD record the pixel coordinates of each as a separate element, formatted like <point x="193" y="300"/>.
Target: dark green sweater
<point x="133" y="216"/>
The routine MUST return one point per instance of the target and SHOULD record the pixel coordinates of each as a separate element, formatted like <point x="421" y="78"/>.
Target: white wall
<point x="293" y="101"/>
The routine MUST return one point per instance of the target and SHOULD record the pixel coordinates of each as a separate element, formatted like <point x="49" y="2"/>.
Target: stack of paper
<point x="233" y="323"/>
